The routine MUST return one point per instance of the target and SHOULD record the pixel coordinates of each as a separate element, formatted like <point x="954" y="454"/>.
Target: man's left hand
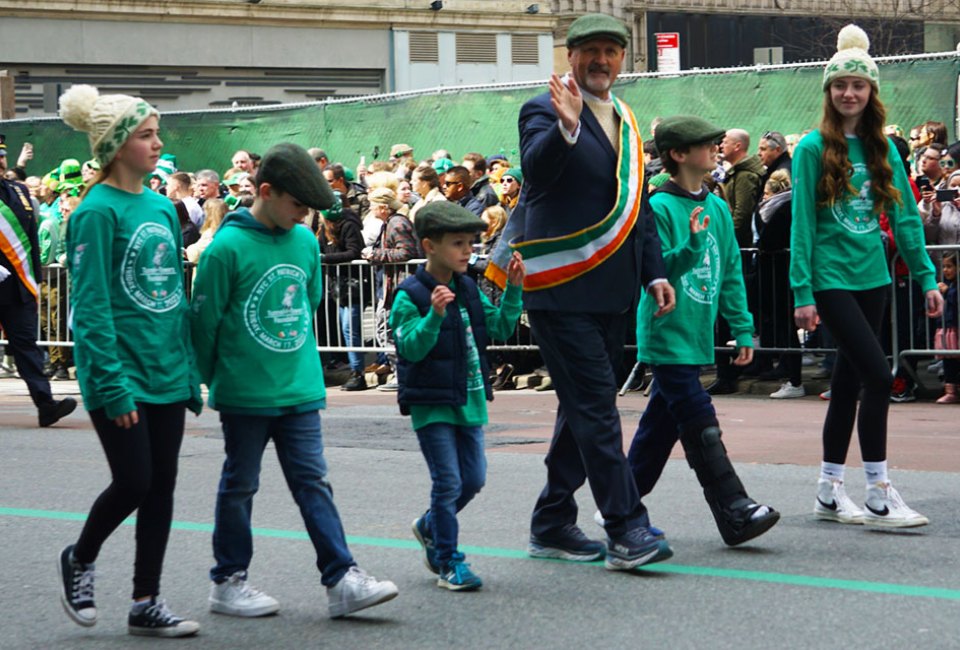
<point x="744" y="357"/>
<point x="665" y="296"/>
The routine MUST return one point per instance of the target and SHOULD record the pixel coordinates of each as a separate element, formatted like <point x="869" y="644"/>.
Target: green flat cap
<point x="685" y="130"/>
<point x="289" y="168"/>
<point x="591" y="26"/>
<point x="438" y="217"/>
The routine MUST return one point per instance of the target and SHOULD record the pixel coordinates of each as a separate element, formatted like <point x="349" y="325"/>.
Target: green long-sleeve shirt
<point x="705" y="271"/>
<point x="416" y="335"/>
<point x="839" y="246"/>
<point x="129" y="310"/>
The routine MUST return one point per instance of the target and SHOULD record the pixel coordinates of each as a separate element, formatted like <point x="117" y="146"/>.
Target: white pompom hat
<point x="852" y="58"/>
<point x="109" y="120"/>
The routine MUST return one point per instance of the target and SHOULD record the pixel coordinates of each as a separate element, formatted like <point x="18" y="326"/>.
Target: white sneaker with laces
<point x="236" y="597"/>
<point x="358" y="590"/>
<point x="885" y="507"/>
<point x="788" y="391"/>
<point x="833" y="504"/>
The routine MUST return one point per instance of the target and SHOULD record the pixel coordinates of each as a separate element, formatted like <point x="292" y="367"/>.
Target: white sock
<point x="831" y="471"/>
<point x="876" y="472"/>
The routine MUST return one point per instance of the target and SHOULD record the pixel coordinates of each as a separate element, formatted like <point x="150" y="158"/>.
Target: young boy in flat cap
<point x="252" y="327"/>
<point x="442" y="324"/>
<point x="703" y="263"/>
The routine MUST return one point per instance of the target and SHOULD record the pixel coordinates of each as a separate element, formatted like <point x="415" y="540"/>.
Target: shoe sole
<point x="377" y="599"/>
<point x="218" y="607"/>
<point x="894" y="523"/>
<point x="615" y="563"/>
<point x="830" y="515"/>
<point x="74" y="616"/>
<point x="165" y="632"/>
<point x="423" y="545"/>
<point x="755" y="529"/>
<point x="551" y="553"/>
<point x="454" y="587"/>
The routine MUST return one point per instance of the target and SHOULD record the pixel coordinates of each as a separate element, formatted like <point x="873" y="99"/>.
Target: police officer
<point x="19" y="288"/>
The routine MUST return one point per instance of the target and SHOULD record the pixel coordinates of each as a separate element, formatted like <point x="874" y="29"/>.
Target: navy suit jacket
<point x="12" y="290"/>
<point x="567" y="188"/>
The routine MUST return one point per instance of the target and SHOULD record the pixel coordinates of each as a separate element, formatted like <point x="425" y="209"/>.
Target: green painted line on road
<point x="890" y="589"/>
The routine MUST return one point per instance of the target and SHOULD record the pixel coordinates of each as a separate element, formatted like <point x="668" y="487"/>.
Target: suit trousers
<point x="19" y="321"/>
<point x="582" y="352"/>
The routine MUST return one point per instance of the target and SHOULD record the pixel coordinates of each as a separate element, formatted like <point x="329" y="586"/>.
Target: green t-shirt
<point x="416" y="335"/>
<point x="129" y="309"/>
<point x="705" y="271"/>
<point x="839" y="246"/>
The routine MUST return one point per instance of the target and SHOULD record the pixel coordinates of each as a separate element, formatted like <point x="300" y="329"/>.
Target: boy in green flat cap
<point x="703" y="263"/>
<point x="253" y="304"/>
<point x="442" y="324"/>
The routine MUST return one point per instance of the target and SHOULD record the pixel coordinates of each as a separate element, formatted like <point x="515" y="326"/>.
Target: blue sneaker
<point x="457" y="576"/>
<point x="567" y="543"/>
<point x="426" y="541"/>
<point x="635" y="548"/>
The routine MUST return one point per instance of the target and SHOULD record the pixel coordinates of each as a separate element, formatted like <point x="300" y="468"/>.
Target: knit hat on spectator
<point x="108" y="120"/>
<point x="852" y="58"/>
<point x="289" y="168"/>
<point x="335" y="211"/>
<point x="70" y="177"/>
<point x="439" y="217"/>
<point x="385" y="196"/>
<point x="514" y="173"/>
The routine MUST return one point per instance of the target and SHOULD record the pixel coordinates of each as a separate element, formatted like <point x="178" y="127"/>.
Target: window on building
<point x="524" y="50"/>
<point x="423" y="47"/>
<point x="476" y="48"/>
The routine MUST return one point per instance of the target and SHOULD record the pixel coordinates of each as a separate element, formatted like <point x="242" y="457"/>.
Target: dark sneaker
<point x="720" y="387"/>
<point x="153" y="618"/>
<point x="356" y="382"/>
<point x="742" y="520"/>
<point x="76" y="588"/>
<point x="61" y="373"/>
<point x="50" y="413"/>
<point x="426" y="541"/>
<point x="567" y="543"/>
<point x="457" y="576"/>
<point x="902" y="391"/>
<point x="634" y="548"/>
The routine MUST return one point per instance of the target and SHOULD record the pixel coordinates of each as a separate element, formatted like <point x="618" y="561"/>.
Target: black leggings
<point x="143" y="464"/>
<point x="854" y="319"/>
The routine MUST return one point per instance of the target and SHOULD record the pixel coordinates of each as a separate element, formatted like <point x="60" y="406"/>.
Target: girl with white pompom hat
<point x="846" y="173"/>
<point x="134" y="362"/>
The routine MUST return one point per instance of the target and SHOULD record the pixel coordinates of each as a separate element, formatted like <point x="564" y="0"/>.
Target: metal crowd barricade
<point x="913" y="336"/>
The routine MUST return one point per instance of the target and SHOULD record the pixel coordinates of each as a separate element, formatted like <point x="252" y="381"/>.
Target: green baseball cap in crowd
<point x="335" y="211"/>
<point x="289" y="168"/>
<point x="438" y="217"/>
<point x="679" y="131"/>
<point x="441" y="165"/>
<point x="590" y="26"/>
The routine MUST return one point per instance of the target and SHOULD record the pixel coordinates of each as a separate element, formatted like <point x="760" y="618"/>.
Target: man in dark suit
<point x="19" y="283"/>
<point x="591" y="256"/>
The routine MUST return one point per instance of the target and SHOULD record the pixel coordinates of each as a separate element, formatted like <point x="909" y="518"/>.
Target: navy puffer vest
<point x="440" y="378"/>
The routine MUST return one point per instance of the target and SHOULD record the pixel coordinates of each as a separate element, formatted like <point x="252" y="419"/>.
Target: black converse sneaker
<point x="152" y="618"/>
<point x="76" y="588"/>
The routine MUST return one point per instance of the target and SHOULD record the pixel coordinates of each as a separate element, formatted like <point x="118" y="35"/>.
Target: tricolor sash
<point x="15" y="245"/>
<point x="556" y="260"/>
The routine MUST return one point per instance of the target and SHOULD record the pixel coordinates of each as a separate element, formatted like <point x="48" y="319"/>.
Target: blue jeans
<point x="350" y="327"/>
<point x="458" y="469"/>
<point x="678" y="402"/>
<point x="300" y="451"/>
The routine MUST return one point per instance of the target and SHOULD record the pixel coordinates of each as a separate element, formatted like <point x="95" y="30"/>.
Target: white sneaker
<point x="358" y="590"/>
<point x="236" y="597"/>
<point x="788" y="391"/>
<point x="885" y="507"/>
<point x="833" y="504"/>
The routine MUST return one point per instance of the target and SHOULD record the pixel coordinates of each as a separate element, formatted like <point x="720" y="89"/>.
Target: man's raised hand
<point x="566" y="100"/>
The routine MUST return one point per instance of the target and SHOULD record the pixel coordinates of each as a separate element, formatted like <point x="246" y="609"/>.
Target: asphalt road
<point x="805" y="584"/>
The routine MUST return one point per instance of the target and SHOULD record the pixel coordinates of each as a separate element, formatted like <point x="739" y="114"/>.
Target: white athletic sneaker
<point x="885" y="507"/>
<point x="358" y="590"/>
<point x="788" y="391"/>
<point x="236" y="597"/>
<point x="833" y="504"/>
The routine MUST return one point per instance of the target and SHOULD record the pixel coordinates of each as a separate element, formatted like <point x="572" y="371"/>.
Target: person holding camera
<point x="940" y="211"/>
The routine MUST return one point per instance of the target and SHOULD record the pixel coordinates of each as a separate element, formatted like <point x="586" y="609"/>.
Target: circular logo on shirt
<point x="702" y="282"/>
<point x="150" y="272"/>
<point x="856" y="213"/>
<point x="277" y="313"/>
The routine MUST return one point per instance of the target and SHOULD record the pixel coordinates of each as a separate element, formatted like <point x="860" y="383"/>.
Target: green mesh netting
<point x="786" y="100"/>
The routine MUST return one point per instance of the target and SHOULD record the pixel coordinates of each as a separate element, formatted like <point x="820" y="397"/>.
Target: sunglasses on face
<point x="948" y="163"/>
<point x="504" y="181"/>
